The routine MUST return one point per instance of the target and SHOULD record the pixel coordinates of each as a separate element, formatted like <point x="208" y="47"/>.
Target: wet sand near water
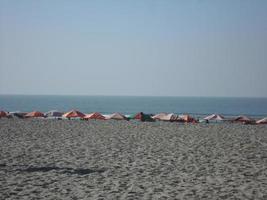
<point x="69" y="159"/>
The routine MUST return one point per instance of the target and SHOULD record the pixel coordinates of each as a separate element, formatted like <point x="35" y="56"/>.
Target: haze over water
<point x="140" y="48"/>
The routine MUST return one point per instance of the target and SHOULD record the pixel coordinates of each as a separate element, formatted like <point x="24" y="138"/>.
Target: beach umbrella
<point x="187" y="118"/>
<point x="142" y="117"/>
<point x="74" y="114"/>
<point x="166" y="117"/>
<point x="117" y="116"/>
<point x="215" y="117"/>
<point x="94" y="115"/>
<point x="243" y="119"/>
<point x="262" y="121"/>
<point x="34" y="114"/>
<point x="160" y="116"/>
<point x="3" y="114"/>
<point x="53" y="113"/>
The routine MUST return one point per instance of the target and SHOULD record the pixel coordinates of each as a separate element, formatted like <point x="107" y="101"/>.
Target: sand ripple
<point x="46" y="159"/>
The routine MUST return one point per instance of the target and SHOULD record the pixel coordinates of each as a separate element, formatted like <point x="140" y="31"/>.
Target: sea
<point x="196" y="106"/>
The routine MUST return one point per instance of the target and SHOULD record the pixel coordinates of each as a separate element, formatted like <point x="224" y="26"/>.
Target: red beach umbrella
<point x="142" y="117"/>
<point x="3" y="114"/>
<point x="94" y="115"/>
<point x="138" y="116"/>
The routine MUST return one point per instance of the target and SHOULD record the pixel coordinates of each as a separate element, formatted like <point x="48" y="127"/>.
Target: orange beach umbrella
<point x="34" y="114"/>
<point x="73" y="114"/>
<point x="187" y="118"/>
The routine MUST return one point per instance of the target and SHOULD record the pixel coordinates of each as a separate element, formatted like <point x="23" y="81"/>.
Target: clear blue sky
<point x="173" y="48"/>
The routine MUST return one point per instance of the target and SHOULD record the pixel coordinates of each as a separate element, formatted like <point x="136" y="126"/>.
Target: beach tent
<point x="94" y="115"/>
<point x="243" y="119"/>
<point x="187" y="118"/>
<point x="116" y="116"/>
<point x="214" y="117"/>
<point x="166" y="117"/>
<point x="142" y="117"/>
<point x="74" y="114"/>
<point x="262" y="121"/>
<point x="3" y="114"/>
<point x="34" y="114"/>
<point x="53" y="113"/>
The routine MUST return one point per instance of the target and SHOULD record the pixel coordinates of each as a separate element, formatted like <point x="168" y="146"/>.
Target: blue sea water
<point x="131" y="104"/>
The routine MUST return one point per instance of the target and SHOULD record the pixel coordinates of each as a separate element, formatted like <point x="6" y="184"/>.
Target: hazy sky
<point x="176" y="48"/>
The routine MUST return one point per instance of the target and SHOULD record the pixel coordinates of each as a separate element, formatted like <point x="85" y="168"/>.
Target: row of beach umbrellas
<point x="139" y="116"/>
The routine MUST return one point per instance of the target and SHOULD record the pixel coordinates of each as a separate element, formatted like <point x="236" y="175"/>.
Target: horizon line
<point x="127" y="95"/>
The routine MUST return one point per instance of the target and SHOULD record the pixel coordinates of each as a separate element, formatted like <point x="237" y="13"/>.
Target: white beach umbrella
<point x="262" y="121"/>
<point x="215" y="117"/>
<point x="116" y="116"/>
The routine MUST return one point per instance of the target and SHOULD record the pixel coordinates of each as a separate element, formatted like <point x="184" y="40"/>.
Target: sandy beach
<point x="69" y="159"/>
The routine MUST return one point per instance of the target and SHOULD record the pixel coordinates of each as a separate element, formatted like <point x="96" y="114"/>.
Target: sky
<point x="140" y="48"/>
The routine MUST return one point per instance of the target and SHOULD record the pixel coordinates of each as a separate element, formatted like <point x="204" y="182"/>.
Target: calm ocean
<point x="129" y="104"/>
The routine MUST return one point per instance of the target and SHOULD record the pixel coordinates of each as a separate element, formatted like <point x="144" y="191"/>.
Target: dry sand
<point x="50" y="159"/>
